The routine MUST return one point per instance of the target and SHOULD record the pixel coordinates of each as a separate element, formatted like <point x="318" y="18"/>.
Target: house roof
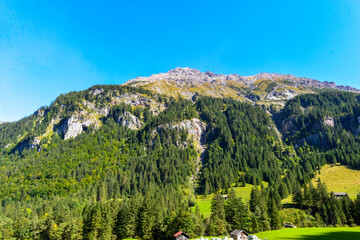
<point x="237" y="232"/>
<point x="181" y="233"/>
<point x="340" y="194"/>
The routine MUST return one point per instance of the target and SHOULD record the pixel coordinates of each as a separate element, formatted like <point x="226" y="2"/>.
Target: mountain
<point x="128" y="161"/>
<point x="187" y="82"/>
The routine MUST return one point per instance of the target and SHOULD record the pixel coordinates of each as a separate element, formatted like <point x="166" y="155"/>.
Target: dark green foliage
<point x="236" y="213"/>
<point x="240" y="139"/>
<point x="327" y="207"/>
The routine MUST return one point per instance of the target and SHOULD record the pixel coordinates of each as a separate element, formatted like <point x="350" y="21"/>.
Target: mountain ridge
<point x="187" y="82"/>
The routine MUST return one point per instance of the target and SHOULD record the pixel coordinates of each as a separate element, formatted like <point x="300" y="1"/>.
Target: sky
<point x="56" y="46"/>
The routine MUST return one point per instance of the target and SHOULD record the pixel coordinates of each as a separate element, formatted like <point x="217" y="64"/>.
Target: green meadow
<point x="208" y="237"/>
<point x="342" y="233"/>
<point x="339" y="178"/>
<point x="204" y="202"/>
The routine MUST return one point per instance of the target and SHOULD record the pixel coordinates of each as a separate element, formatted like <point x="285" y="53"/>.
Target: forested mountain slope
<point x="328" y="123"/>
<point x="118" y="161"/>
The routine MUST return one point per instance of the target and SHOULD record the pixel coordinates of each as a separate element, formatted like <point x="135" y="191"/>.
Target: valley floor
<point x="342" y="233"/>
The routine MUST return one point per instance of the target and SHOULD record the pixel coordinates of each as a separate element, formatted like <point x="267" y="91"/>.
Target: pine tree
<point x="298" y="196"/>
<point x="275" y="219"/>
<point x="218" y="206"/>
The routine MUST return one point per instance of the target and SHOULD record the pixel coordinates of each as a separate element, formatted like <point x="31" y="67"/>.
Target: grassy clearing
<point x="204" y="202"/>
<point x="287" y="200"/>
<point x="312" y="234"/>
<point x="340" y="178"/>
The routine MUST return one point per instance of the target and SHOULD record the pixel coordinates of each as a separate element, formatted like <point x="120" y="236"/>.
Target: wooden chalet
<point x="239" y="235"/>
<point x="288" y="225"/>
<point x="340" y="195"/>
<point x="181" y="236"/>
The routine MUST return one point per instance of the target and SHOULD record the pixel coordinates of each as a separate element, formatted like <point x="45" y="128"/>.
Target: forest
<point x="115" y="182"/>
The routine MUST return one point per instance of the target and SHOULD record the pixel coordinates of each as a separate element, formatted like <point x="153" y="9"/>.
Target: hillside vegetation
<point x="115" y="162"/>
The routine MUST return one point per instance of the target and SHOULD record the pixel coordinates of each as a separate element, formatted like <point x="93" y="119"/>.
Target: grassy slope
<point x="312" y="234"/>
<point x="340" y="179"/>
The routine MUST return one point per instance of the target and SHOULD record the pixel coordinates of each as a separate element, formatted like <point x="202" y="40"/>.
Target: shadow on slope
<point x="341" y="235"/>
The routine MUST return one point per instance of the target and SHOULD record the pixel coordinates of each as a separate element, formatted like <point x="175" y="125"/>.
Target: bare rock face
<point x="130" y="121"/>
<point x="329" y="121"/>
<point x="99" y="110"/>
<point x="35" y="143"/>
<point x="357" y="131"/>
<point x="196" y="129"/>
<point x="76" y="124"/>
<point x="72" y="127"/>
<point x="284" y="95"/>
<point x="97" y="91"/>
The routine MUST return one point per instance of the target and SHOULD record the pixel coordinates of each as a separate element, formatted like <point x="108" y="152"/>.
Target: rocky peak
<point x="183" y="71"/>
<point x="272" y="76"/>
<point x="211" y="74"/>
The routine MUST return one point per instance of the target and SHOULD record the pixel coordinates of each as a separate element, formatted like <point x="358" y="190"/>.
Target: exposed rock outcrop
<point x="76" y="124"/>
<point x="97" y="91"/>
<point x="283" y="95"/>
<point x="139" y="100"/>
<point x="195" y="127"/>
<point x="103" y="110"/>
<point x="130" y="121"/>
<point x="357" y="131"/>
<point x="329" y="121"/>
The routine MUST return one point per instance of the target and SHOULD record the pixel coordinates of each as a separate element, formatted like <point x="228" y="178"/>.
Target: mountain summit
<point x="187" y="82"/>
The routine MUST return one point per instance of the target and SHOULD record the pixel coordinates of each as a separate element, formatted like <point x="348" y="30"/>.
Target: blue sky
<point x="53" y="47"/>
